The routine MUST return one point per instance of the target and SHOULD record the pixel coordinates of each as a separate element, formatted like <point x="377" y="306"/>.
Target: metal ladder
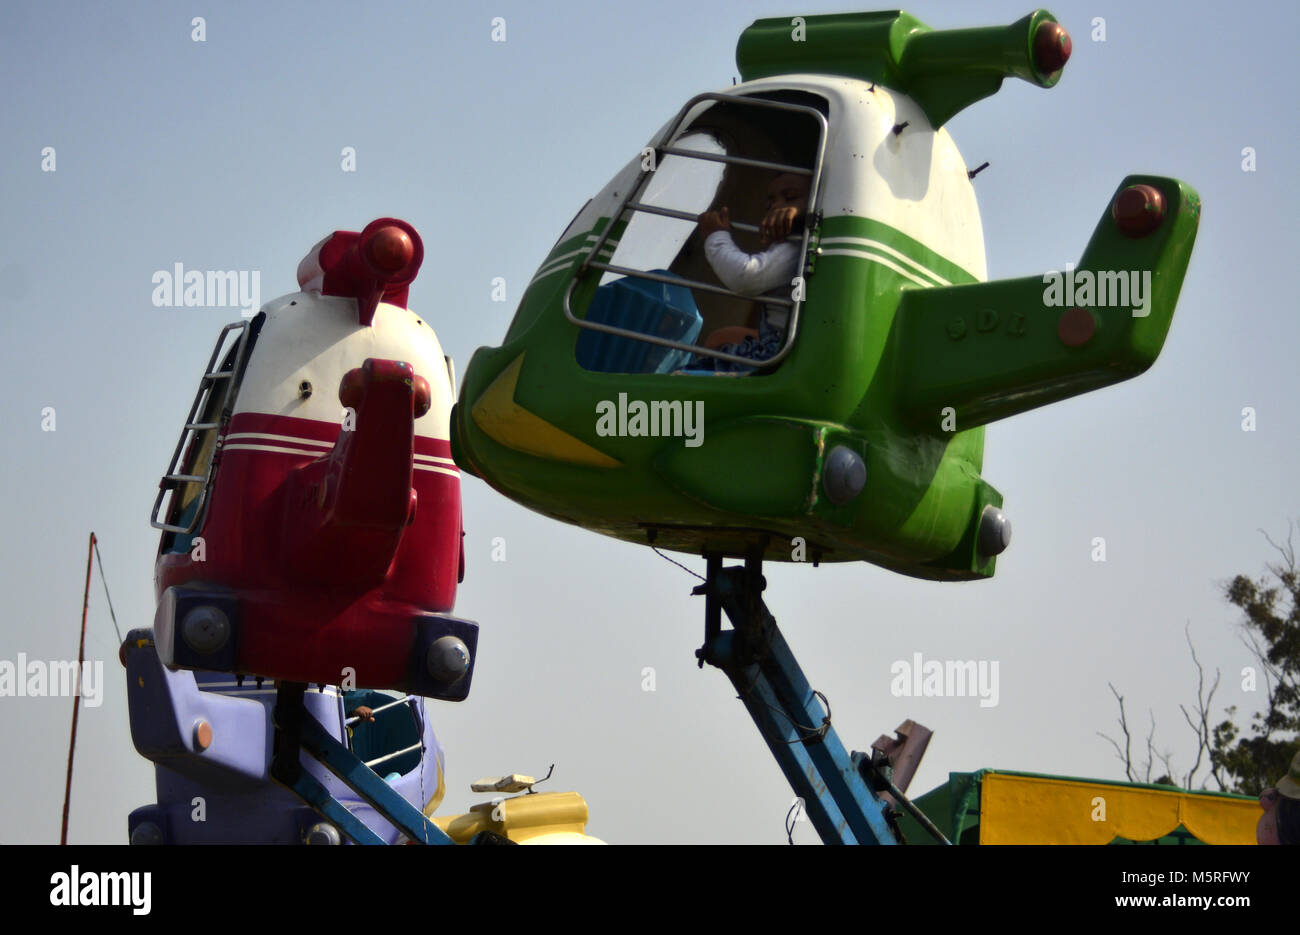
<point x="212" y="378"/>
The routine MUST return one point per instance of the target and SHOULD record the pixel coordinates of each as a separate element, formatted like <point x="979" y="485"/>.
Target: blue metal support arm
<point x="297" y="730"/>
<point x="791" y="716"/>
<point x="359" y="777"/>
<point x="308" y="788"/>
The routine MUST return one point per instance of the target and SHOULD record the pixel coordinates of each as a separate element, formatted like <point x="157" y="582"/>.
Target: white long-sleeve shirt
<point x="751" y="273"/>
<point x="756" y="274"/>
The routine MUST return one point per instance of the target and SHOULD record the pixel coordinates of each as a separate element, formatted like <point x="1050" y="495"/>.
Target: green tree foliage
<point x="1250" y="760"/>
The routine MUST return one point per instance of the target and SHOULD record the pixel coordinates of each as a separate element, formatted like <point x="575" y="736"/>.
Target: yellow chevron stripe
<point x="510" y="424"/>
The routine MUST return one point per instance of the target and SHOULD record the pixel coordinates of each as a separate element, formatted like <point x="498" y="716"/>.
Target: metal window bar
<point x="381" y="708"/>
<point x="172" y="479"/>
<point x="394" y="755"/>
<point x="631" y="203"/>
<point x="679" y="281"/>
<point x="737" y="160"/>
<point x="687" y="216"/>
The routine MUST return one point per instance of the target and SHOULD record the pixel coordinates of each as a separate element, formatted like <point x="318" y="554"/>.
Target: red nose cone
<point x="1052" y="47"/>
<point x="1138" y="210"/>
<point x="390" y="249"/>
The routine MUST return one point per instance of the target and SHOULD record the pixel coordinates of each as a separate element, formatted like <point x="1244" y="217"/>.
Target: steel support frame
<point x="789" y="714"/>
<point x="297" y="730"/>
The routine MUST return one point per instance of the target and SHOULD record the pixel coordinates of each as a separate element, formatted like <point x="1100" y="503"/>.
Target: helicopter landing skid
<point x="838" y="790"/>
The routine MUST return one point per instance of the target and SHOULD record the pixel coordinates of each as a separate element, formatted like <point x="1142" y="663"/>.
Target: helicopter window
<point x="391" y="743"/>
<point x="682" y="185"/>
<point x="666" y="302"/>
<point x="678" y="190"/>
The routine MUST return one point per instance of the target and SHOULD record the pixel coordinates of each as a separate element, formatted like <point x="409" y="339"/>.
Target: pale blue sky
<point x="225" y="155"/>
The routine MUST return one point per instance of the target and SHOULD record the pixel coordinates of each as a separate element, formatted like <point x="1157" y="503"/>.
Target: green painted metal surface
<point x="902" y="354"/>
<point x="942" y="70"/>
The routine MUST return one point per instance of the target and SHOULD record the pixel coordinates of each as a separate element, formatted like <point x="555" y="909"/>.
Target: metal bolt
<point x="323" y="833"/>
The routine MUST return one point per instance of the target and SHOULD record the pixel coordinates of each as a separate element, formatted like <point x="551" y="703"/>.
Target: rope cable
<point x="677" y="563"/>
<point x="100" y="560"/>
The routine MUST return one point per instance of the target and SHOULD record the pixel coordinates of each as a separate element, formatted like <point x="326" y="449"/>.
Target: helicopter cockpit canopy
<point x="657" y="299"/>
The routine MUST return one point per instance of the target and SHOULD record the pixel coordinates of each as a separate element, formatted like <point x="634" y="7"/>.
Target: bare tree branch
<point x="1287" y="551"/>
<point x="1271" y="672"/>
<point x="1200" y="724"/>
<point x="1124" y="755"/>
<point x="1167" y="759"/>
<point x="1151" y="736"/>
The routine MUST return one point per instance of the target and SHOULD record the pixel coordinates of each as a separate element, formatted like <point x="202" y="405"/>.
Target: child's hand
<point x="713" y="221"/>
<point x="778" y="223"/>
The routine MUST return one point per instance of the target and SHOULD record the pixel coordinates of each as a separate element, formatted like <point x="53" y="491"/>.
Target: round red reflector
<point x="1052" y="47"/>
<point x="1076" y="327"/>
<point x="423" y="395"/>
<point x="1138" y="210"/>
<point x="390" y="249"/>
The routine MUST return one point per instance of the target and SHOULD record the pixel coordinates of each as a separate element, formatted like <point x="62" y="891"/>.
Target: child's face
<point x="788" y="191"/>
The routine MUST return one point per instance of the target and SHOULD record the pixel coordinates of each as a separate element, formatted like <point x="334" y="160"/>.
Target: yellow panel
<point x="521" y="818"/>
<point x="435" y="800"/>
<point x="510" y="424"/>
<point x="1037" y="810"/>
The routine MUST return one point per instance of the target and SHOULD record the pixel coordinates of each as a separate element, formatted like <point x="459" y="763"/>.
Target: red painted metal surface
<point x="335" y="537"/>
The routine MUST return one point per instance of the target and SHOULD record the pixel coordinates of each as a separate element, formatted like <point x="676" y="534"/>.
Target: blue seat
<point x="646" y="307"/>
<point x="182" y="542"/>
<point x="391" y="730"/>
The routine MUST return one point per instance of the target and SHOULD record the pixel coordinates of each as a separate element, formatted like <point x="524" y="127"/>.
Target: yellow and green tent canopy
<point x="1004" y="807"/>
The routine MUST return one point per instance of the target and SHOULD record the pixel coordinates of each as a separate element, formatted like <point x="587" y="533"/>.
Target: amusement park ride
<point x="313" y="534"/>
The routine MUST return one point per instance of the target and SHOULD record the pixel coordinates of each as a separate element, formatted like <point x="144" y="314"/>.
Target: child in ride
<point x="767" y="273"/>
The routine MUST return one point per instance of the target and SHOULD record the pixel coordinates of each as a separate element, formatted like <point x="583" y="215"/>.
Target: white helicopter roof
<point x="915" y="180"/>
